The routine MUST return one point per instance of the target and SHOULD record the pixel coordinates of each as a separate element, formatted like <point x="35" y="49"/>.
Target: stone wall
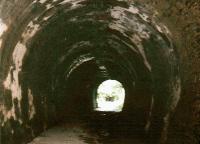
<point x="180" y="16"/>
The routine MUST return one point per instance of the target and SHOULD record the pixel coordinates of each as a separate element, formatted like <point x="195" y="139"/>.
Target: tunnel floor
<point x="85" y="133"/>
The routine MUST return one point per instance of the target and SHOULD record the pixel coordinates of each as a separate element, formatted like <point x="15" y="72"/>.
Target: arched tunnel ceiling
<point x="54" y="52"/>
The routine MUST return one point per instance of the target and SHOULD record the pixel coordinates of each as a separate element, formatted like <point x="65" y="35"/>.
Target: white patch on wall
<point x="18" y="56"/>
<point x="117" y="12"/>
<point x="7" y="114"/>
<point x="30" y="31"/>
<point x="31" y="105"/>
<point x="34" y="1"/>
<point x="176" y="93"/>
<point x="48" y="6"/>
<point x="3" y="28"/>
<point x="148" y="123"/>
<point x="7" y="82"/>
<point x="46" y="18"/>
<point x="144" y="17"/>
<point x="12" y="80"/>
<point x="137" y="40"/>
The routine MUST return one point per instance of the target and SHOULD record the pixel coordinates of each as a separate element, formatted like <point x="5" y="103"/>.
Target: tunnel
<point x="99" y="71"/>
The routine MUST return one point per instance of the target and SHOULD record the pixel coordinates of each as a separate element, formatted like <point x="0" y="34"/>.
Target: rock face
<point x="182" y="18"/>
<point x="55" y="53"/>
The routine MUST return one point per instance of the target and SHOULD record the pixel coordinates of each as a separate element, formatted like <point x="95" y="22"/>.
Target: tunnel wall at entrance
<point x="182" y="18"/>
<point x="26" y="89"/>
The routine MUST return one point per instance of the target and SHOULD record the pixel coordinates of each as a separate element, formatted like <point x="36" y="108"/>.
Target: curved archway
<point x="58" y="52"/>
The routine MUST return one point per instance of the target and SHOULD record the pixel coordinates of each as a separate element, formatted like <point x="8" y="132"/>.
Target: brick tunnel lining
<point x="43" y="72"/>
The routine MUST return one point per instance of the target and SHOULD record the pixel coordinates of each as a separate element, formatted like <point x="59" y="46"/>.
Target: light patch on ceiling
<point x="122" y="24"/>
<point x="133" y="10"/>
<point x="42" y="1"/>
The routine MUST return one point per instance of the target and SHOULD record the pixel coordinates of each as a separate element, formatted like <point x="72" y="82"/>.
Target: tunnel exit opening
<point x="110" y="96"/>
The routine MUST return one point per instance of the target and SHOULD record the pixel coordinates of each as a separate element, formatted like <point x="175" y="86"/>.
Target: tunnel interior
<point x="56" y="54"/>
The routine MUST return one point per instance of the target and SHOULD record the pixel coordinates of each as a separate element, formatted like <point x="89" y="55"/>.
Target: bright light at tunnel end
<point x="110" y="96"/>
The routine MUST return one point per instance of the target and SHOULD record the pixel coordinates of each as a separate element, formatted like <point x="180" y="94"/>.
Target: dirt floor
<point x="81" y="133"/>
